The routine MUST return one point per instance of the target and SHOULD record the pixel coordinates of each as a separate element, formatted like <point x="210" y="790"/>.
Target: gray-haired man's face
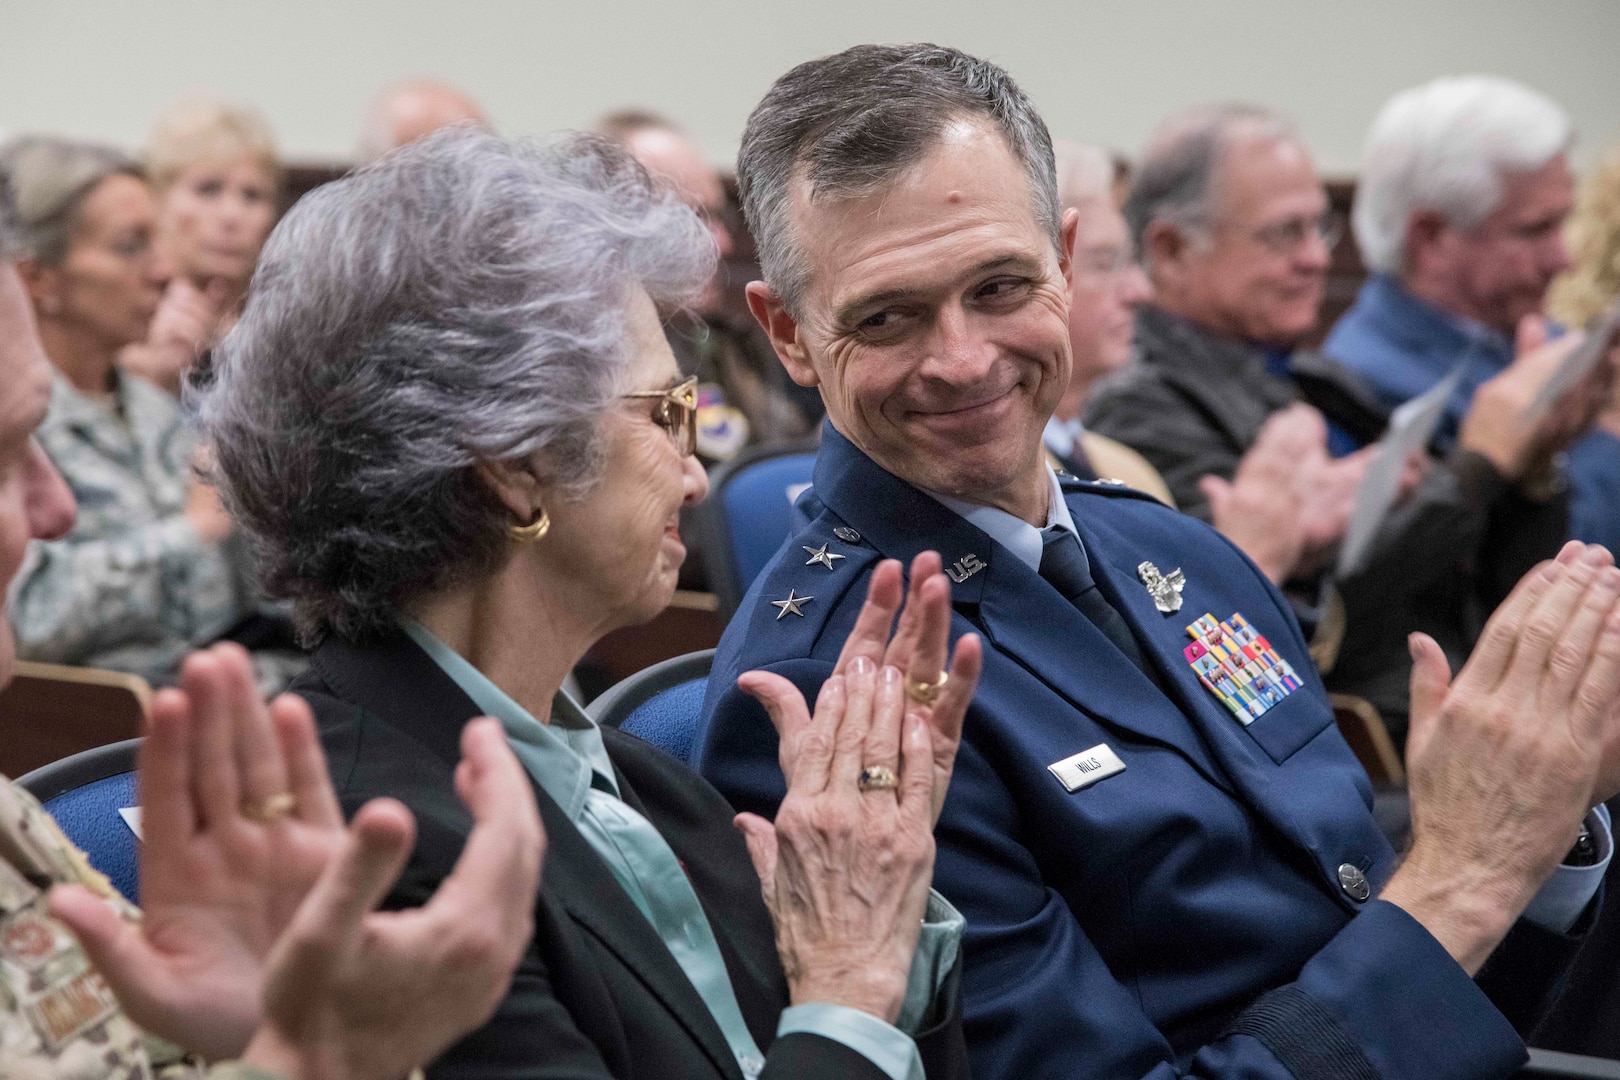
<point x="936" y="321"/>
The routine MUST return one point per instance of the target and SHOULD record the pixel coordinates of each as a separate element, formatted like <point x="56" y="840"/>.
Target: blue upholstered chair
<point x="659" y="704"/>
<point x="748" y="515"/>
<point x="85" y="793"/>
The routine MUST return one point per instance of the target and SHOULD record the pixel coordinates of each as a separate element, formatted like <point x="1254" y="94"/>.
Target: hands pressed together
<point x="259" y="936"/>
<point x="1506" y="759"/>
<point x="845" y="869"/>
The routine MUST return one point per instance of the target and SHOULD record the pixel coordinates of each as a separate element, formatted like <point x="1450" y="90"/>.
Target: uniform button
<point x="1354" y="882"/>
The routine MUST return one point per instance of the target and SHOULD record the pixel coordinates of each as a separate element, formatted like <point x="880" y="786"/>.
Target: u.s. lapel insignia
<point x="965" y="567"/>
<point x="1239" y="666"/>
<point x="822" y="556"/>
<point x="790" y="604"/>
<point x="847" y="535"/>
<point x="1164" y="588"/>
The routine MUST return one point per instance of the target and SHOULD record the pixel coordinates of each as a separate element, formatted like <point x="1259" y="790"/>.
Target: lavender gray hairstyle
<point x="463" y="299"/>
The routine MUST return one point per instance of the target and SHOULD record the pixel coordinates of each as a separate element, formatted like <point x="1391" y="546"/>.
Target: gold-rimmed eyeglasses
<point x="676" y="412"/>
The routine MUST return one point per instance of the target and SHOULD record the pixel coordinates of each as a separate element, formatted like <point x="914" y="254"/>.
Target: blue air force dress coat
<point x="1206" y="910"/>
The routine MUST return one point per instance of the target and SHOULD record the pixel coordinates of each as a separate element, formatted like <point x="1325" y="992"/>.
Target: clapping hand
<point x="846" y="868"/>
<point x="238" y="820"/>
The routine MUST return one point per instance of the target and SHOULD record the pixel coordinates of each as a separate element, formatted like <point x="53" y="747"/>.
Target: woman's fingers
<point x="913" y="626"/>
<point x="787" y="709"/>
<point x="882" y="749"/>
<point x="760" y="836"/>
<point x="849" y="736"/>
<point x="870" y="638"/>
<point x="917" y="774"/>
<point x="952" y="704"/>
<point x="307" y="778"/>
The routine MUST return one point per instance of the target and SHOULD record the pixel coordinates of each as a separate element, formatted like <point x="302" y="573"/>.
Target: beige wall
<point x="1099" y="71"/>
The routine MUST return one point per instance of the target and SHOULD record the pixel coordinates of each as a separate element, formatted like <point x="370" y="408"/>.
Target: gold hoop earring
<point x="533" y="531"/>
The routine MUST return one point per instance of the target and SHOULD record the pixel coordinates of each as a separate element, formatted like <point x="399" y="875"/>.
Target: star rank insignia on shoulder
<point x="792" y="604"/>
<point x="821" y="556"/>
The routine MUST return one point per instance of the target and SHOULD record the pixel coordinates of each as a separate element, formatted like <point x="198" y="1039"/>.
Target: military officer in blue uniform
<point x="1164" y="850"/>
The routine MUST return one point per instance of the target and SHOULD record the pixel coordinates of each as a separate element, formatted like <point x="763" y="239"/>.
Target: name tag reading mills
<point x="1087" y="767"/>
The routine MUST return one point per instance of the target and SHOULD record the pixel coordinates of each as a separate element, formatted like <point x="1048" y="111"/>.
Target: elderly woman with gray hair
<point x="452" y="426"/>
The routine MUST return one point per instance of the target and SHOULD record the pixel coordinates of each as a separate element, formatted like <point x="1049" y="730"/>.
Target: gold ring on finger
<point x="878" y="778"/>
<point x="270" y="809"/>
<point x="925" y="693"/>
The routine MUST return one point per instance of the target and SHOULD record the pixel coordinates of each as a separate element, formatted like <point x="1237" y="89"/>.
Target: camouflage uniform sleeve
<point x="57" y="1016"/>
<point x="154" y="583"/>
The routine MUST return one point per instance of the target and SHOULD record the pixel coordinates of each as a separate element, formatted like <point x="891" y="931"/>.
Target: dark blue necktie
<point x="1065" y="566"/>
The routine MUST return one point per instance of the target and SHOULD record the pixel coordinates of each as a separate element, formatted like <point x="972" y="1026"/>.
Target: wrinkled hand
<point x="1506" y="760"/>
<point x="1499" y="425"/>
<point x="846" y="873"/>
<point x="218" y="884"/>
<point x="918" y="648"/>
<point x="364" y="995"/>
<point x="1261" y="509"/>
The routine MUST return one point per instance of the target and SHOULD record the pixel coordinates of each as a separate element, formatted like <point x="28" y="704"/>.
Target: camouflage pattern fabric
<point x="133" y="587"/>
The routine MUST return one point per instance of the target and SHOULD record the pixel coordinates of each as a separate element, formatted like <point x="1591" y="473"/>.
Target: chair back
<point x="748" y="515"/>
<point x="51" y="711"/>
<point x="84" y="794"/>
<point x="660" y="704"/>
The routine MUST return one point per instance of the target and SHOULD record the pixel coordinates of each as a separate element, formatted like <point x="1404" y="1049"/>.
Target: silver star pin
<point x="821" y="555"/>
<point x="791" y="604"/>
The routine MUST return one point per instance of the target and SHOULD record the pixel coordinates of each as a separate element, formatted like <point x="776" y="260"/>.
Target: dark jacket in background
<point x="1194" y="403"/>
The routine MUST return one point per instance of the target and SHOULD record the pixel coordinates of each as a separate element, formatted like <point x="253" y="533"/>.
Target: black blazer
<point x="597" y="994"/>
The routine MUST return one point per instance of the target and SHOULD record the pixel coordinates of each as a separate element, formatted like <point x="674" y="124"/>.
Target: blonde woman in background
<point x="1575" y="299"/>
<point x="218" y="181"/>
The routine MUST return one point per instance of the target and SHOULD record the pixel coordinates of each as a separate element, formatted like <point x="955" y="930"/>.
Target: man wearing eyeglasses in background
<point x="1234" y="227"/>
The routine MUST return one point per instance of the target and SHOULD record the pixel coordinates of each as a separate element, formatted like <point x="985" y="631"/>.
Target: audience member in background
<point x="1155" y="883"/>
<point x="744" y="396"/>
<point x="1260" y="510"/>
<point x="152" y="568"/>
<point x="460" y="442"/>
<point x="1590" y="286"/>
<point x="405" y="111"/>
<point x="214" y="170"/>
<point x="1233" y="220"/>
<point x="244" y="851"/>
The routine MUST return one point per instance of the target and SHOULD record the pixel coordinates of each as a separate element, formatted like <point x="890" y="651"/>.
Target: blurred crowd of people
<point x="345" y="459"/>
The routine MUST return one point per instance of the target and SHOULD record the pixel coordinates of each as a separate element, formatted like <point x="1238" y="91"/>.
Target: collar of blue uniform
<point x="1014" y="533"/>
<point x="565" y="757"/>
<point x="898" y="520"/>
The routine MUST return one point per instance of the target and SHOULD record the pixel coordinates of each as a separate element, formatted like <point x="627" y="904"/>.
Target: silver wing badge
<point x="1164" y="588"/>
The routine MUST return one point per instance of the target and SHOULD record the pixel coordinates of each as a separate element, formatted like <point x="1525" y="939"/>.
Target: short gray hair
<point x="853" y="123"/>
<point x="1444" y="146"/>
<point x="50" y="179"/>
<point x="462" y="300"/>
<point x="1177" y="178"/>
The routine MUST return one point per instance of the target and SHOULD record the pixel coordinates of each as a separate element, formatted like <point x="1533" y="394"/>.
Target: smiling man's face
<point x="935" y="321"/>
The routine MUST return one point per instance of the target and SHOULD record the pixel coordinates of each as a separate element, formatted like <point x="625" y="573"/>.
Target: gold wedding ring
<point x="878" y="778"/>
<point x="270" y="809"/>
<point x="925" y="693"/>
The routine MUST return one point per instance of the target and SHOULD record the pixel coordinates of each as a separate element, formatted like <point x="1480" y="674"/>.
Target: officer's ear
<point x="783" y="330"/>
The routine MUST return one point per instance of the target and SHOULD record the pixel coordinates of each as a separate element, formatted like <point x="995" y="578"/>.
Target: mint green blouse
<point x="568" y="760"/>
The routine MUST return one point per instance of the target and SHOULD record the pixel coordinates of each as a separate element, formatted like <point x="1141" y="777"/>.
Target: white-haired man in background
<point x="1459" y="214"/>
